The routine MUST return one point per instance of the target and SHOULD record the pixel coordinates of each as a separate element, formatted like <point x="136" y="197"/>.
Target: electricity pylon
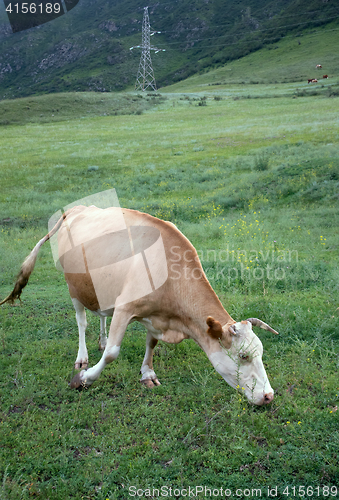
<point x="145" y="77"/>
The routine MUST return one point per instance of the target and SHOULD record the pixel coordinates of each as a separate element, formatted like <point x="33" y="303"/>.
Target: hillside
<point x="88" y="48"/>
<point x="291" y="60"/>
<point x="279" y="69"/>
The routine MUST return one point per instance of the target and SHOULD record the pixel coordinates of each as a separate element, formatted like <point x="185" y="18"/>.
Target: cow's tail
<point x="29" y="263"/>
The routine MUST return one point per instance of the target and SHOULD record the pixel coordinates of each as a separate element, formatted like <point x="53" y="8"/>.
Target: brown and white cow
<point x="318" y="66"/>
<point x="312" y="80"/>
<point x="325" y="76"/>
<point x="135" y="267"/>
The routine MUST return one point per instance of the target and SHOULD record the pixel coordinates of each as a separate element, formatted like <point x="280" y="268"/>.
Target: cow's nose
<point x="268" y="398"/>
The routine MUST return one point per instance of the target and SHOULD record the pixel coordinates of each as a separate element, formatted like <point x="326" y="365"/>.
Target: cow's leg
<point x="103" y="335"/>
<point x="80" y="314"/>
<point x="149" y="378"/>
<point x="117" y="330"/>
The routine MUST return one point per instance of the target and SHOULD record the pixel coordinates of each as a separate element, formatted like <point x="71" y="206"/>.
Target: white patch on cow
<point x="147" y="373"/>
<point x="103" y="333"/>
<point x="93" y="373"/>
<point x="112" y="352"/>
<point x="247" y="375"/>
<point x="80" y="314"/>
<point x="224" y="365"/>
<point x="104" y="314"/>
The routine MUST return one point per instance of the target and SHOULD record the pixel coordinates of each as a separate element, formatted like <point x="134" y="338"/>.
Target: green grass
<point x="68" y="106"/>
<point x="291" y="59"/>
<point x="254" y="184"/>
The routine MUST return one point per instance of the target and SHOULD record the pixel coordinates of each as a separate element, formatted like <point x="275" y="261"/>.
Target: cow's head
<point x="239" y="358"/>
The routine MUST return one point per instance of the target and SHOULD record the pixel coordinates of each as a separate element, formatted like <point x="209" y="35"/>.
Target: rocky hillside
<point x="89" y="47"/>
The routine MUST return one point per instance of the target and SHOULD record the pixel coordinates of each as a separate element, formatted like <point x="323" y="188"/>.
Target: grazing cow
<point x="318" y="66"/>
<point x="325" y="76"/>
<point x="135" y="267"/>
<point x="312" y="80"/>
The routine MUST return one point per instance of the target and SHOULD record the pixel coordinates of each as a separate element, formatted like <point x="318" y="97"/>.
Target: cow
<point x="318" y="66"/>
<point x="134" y="267"/>
<point x="312" y="80"/>
<point x="325" y="76"/>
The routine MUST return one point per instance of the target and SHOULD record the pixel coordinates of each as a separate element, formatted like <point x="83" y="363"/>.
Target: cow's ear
<point x="214" y="328"/>
<point x="216" y="332"/>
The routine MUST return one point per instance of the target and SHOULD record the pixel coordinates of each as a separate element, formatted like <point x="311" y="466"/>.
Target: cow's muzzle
<point x="268" y="398"/>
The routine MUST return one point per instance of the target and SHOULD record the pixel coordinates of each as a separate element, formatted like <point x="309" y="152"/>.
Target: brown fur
<point x="21" y="282"/>
<point x="153" y="343"/>
<point x="216" y="332"/>
<point x="81" y="287"/>
<point x="174" y="337"/>
<point x="215" y="328"/>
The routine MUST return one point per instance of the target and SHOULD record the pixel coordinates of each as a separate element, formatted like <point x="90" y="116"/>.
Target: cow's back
<point x="118" y="256"/>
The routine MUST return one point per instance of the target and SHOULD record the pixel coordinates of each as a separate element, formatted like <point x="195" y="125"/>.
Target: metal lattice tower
<point x="145" y="78"/>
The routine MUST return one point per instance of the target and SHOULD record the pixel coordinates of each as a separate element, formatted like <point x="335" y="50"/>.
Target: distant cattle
<point x="318" y="66"/>
<point x="325" y="76"/>
<point x="312" y="80"/>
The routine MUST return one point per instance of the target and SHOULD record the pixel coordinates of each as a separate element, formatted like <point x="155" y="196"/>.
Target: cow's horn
<point x="264" y="326"/>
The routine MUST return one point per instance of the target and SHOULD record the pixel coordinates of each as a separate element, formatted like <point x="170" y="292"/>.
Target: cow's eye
<point x="244" y="356"/>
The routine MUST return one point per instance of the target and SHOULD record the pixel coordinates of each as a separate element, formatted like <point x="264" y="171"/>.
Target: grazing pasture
<point x="253" y="183"/>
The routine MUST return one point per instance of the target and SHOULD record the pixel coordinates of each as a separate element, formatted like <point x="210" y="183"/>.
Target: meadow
<point x="250" y="175"/>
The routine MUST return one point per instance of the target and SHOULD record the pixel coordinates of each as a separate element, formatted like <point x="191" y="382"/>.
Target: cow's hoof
<point x="81" y="365"/>
<point x="148" y="382"/>
<point x="77" y="382"/>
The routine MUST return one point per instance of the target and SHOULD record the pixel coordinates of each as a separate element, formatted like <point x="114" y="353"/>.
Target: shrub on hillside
<point x="261" y="162"/>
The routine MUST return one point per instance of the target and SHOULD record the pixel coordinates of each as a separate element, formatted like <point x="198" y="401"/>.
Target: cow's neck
<point x="198" y="301"/>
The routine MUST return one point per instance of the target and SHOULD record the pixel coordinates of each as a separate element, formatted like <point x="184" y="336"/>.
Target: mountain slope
<point x="88" y="48"/>
<point x="292" y="59"/>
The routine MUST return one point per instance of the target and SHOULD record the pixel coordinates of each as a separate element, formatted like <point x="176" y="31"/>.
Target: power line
<point x="145" y="61"/>
<point x="264" y="29"/>
<point x="258" y="39"/>
<point x="145" y="77"/>
<point x="232" y="35"/>
<point x="254" y="15"/>
<point x="257" y="13"/>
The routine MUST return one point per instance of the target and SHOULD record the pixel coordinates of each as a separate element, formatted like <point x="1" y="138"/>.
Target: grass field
<point x="253" y="183"/>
